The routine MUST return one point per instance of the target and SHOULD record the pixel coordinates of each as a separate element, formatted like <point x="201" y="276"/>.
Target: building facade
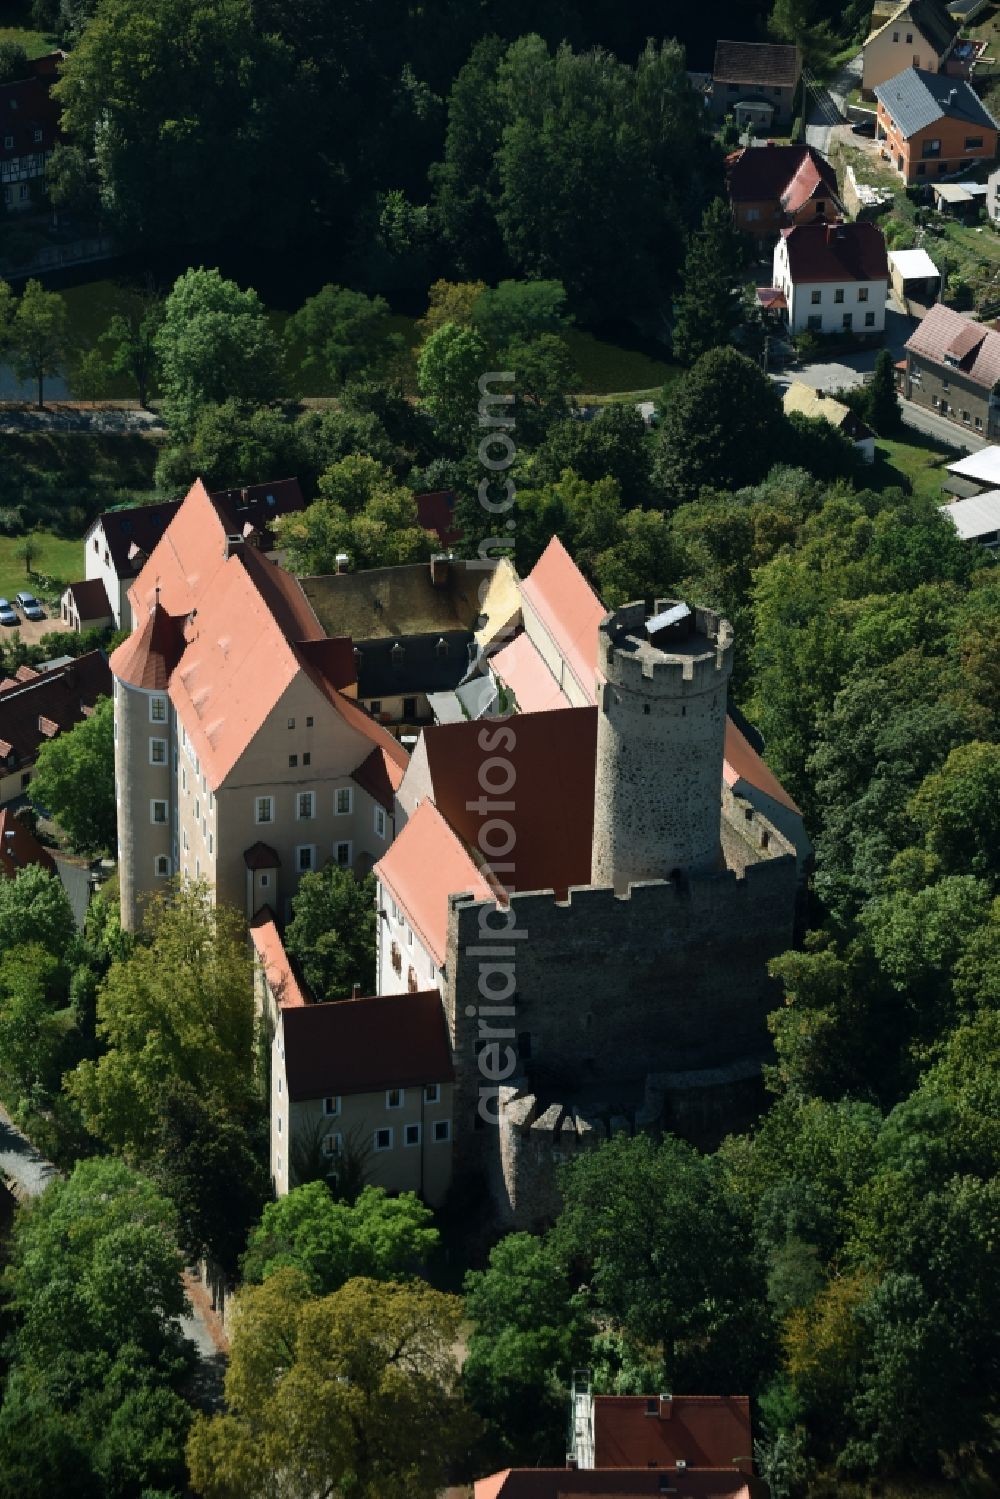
<point x="834" y="278"/>
<point x="952" y="367"/>
<point x="931" y="126"/>
<point x="773" y="187"/>
<point x="756" y="82"/>
<point x="29" y="131"/>
<point x="918" y="34"/>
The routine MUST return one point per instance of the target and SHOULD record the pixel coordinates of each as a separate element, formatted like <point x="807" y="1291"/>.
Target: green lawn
<point x="15" y="26"/>
<point x="608" y="369"/>
<point x="55" y="558"/>
<point x="922" y="460"/>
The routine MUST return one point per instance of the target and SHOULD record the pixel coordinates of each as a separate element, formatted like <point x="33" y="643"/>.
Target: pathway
<point x="826" y="112"/>
<point x="76" y="417"/>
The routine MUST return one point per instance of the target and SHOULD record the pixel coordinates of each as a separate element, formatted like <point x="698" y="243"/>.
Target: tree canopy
<point x="74" y="781"/>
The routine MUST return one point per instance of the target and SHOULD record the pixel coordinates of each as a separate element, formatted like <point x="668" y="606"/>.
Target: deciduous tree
<point x="74" y="781"/>
<point x="332" y="932"/>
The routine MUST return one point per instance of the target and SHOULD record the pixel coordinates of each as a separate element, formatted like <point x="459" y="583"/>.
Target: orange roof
<point x="618" y="1483"/>
<point x="150" y="653"/>
<point x="19" y="846"/>
<point x="425" y="865"/>
<point x="704" y="1431"/>
<point x="520" y="666"/>
<point x="380" y="775"/>
<point x="569" y="610"/>
<point x="273" y="959"/>
<point x="185" y="560"/>
<point x="552" y="758"/>
<point x="742" y="763"/>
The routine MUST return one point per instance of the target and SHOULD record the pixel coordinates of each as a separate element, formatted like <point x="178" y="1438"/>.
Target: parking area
<point x="31" y="631"/>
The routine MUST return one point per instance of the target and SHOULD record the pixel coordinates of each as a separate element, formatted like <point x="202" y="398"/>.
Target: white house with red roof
<point x="834" y="277"/>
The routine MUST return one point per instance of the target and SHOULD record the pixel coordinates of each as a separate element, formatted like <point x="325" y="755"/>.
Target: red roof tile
<point x="814" y="177"/>
<point x="272" y="957"/>
<point x="63" y="695"/>
<point x="761" y="173"/>
<point x="425" y="865"/>
<point x="619" y="1483"/>
<point x="91" y="599"/>
<point x="569" y="610"/>
<point x="365" y="1045"/>
<point x="435" y="512"/>
<point x="943" y="332"/>
<point x="380" y="775"/>
<point x="521" y="668"/>
<point x="150" y="653"/>
<point x="836" y="252"/>
<point x="742" y="763"/>
<point x="334" y="659"/>
<point x="19" y="846"/>
<point x="703" y="1431"/>
<point x="261" y="856"/>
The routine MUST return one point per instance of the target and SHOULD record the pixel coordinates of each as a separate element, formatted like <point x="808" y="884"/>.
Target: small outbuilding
<point x="976" y="519"/>
<point x="914" y="276"/>
<point x="809" y="402"/>
<point x="86" y="606"/>
<point x="981" y="469"/>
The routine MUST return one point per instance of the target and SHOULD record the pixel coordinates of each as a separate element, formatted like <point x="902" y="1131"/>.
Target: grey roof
<point x="975" y="517"/>
<point x="932" y="20"/>
<point x="915" y="99"/>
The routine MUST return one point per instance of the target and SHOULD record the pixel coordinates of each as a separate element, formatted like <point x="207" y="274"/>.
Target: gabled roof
<point x="808" y="401"/>
<point x="768" y="63"/>
<point x="930" y="18"/>
<point x="948" y="339"/>
<point x="387" y="602"/>
<point x="813" y="178"/>
<point x="618" y="1483"/>
<point x="90" y="598"/>
<point x="380" y="775"/>
<point x="836" y="252"/>
<point x="756" y="173"/>
<point x="552" y="758"/>
<point x="350" y="1046"/>
<point x="140" y="526"/>
<point x="569" y="610"/>
<point x="273" y="959"/>
<point x="703" y="1431"/>
<point x="977" y="516"/>
<point x="915" y="98"/>
<point x="425" y="865"/>
<point x="19" y="847"/>
<point x="521" y="668"/>
<point x="64" y="696"/>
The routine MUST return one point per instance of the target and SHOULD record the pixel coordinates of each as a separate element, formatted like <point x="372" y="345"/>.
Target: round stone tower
<point x="660" y="738"/>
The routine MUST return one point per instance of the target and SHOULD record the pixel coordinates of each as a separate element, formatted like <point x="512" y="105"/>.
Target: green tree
<point x="450" y="302"/>
<point x="69" y="179"/>
<point x="32" y="1029"/>
<point x="466" y="180"/>
<point x="344" y="333"/>
<point x="231" y="446"/>
<point x="13" y="61"/>
<point x="336" y="1394"/>
<point x="958" y="811"/>
<point x="519" y="312"/>
<point x="74" y="781"/>
<point x="613" y="445"/>
<point x="708" y="308"/>
<point x="215" y="344"/>
<point x="39" y="336"/>
<point x="882" y="409"/>
<point x="384" y="1238"/>
<point x="34" y="908"/>
<point x="543" y="379"/>
<point x="529" y="1329"/>
<point x="449" y="369"/>
<point x="722" y="424"/>
<point x="178" y="1011"/>
<point x="332" y="932"/>
<point x="130" y="341"/>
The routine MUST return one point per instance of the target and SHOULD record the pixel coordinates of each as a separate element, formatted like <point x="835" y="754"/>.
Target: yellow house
<point x="917" y="34"/>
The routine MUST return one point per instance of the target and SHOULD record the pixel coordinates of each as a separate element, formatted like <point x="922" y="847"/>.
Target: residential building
<point x="86" y="606"/>
<point x="364" y="1085"/>
<point x="29" y="131"/>
<point x="19" y="847"/>
<point x="960" y="200"/>
<point x="756" y="82"/>
<point x="412" y="629"/>
<point x="120" y="542"/>
<point x="772" y="187"/>
<point x="952" y="367"/>
<point x="35" y="706"/>
<point x="834" y="277"/>
<point x="808" y="401"/>
<point x="917" y="34"/>
<point x="436" y="512"/>
<point x="931" y="125"/>
<point x="242" y="756"/>
<point x="977" y="518"/>
<point x="914" y="277"/>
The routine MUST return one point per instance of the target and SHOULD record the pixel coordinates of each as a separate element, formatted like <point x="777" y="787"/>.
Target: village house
<point x="834" y="277"/>
<point x="37" y="705"/>
<point x="772" y="187"/>
<point x="808" y="401"/>
<point x="29" y="131"/>
<point x="952" y="367"/>
<point x="931" y="125"/>
<point x="918" y="34"/>
<point x="19" y="847"/>
<point x="120" y="542"/>
<point x="755" y="82"/>
<point x="86" y="606"/>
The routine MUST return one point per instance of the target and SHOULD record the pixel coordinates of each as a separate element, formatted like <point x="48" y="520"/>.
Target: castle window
<point x="409" y="708"/>
<point x="158" y="710"/>
<point x="293" y="760"/>
<point x="380" y="821"/>
<point x="265" y="809"/>
<point x="411" y="1134"/>
<point x="162" y="866"/>
<point x="342" y="855"/>
<point x="331" y="1106"/>
<point x="291" y="723"/>
<point x="646" y="708"/>
<point x="383" y="1139"/>
<point x="442" y="1131"/>
<point x="158" y="812"/>
<point x="395" y="1097"/>
<point x="344" y="801"/>
<point x="765" y="838"/>
<point x="333" y="1144"/>
<point x="307" y="758"/>
<point x="157" y="752"/>
<point x="305" y="857"/>
<point x="432" y="1093"/>
<point x="305" y="805"/>
<point x="309" y="722"/>
<point x="265" y="880"/>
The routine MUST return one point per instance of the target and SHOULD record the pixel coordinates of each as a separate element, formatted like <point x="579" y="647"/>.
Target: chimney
<point x="666" y="1407"/>
<point x="251" y="535"/>
<point x="439" y="569"/>
<point x="952" y="95"/>
<point x="355" y="991"/>
<point x="233" y="544"/>
<point x="829" y="234"/>
<point x="343" y="562"/>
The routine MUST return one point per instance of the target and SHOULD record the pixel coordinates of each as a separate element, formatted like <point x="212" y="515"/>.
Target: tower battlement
<point x="665" y="648"/>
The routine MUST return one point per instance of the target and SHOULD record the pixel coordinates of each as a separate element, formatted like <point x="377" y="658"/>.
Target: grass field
<point x="15" y="26"/>
<point x="57" y="559"/>
<point x="920" y="459"/>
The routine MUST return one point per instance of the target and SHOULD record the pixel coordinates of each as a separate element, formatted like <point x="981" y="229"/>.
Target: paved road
<point x="24" y="1167"/>
<point x="838" y="374"/>
<point x="16" y="418"/>
<point x="941" y="428"/>
<point x="831" y="107"/>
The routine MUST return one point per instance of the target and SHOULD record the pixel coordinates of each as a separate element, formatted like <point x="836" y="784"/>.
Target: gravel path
<point x="24" y="1167"/>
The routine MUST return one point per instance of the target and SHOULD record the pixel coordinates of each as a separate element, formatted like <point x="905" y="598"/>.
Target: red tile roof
<point x="435" y="512"/>
<point x="619" y="1483"/>
<point x="569" y="610"/>
<point x="272" y="957"/>
<point x="836" y="252"/>
<point x="521" y="668"/>
<point x="974" y="347"/>
<point x="756" y="63"/>
<point x="19" y="846"/>
<point x="380" y="775"/>
<point x="703" y="1431"/>
<point x="334" y="659"/>
<point x="760" y="173"/>
<point x="366" y="1045"/>
<point x="425" y="865"/>
<point x="742" y="763"/>
<point x="149" y="655"/>
<point x="813" y="178"/>
<point x="90" y="599"/>
<point x="64" y="695"/>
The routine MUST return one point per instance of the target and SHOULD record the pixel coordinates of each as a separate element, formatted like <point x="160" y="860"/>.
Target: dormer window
<point x="397" y="653"/>
<point x="441" y="649"/>
<point x="951" y="359"/>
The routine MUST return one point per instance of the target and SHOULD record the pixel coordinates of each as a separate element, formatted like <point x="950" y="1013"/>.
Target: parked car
<point x="29" y="606"/>
<point x="8" y="616"/>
